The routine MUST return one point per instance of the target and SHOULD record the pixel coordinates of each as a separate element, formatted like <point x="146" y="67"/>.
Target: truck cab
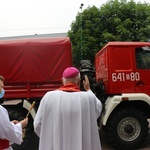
<point x="124" y="67"/>
<point x="122" y="71"/>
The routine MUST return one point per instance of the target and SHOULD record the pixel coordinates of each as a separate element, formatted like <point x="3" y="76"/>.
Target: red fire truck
<point x="122" y="83"/>
<point x="120" y="79"/>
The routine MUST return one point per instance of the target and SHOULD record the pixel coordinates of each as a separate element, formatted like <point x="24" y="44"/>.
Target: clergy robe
<point x="68" y="121"/>
<point x="8" y="130"/>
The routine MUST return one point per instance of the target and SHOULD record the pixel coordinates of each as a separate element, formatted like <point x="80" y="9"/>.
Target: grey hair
<point x="74" y="80"/>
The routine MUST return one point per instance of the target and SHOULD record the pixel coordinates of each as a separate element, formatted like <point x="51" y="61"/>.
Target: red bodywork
<point x="116" y="65"/>
<point x="31" y="67"/>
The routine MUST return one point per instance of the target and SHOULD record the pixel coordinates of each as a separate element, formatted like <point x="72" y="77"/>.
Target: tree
<point x="117" y="20"/>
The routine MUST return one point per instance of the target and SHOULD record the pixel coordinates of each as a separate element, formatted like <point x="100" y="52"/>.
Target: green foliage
<point x="117" y="20"/>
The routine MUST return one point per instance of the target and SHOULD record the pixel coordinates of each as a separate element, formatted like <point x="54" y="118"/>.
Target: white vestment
<point x="8" y="130"/>
<point x="68" y="121"/>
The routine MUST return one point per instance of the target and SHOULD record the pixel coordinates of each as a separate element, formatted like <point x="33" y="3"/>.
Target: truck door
<point x="122" y="70"/>
<point x="142" y="68"/>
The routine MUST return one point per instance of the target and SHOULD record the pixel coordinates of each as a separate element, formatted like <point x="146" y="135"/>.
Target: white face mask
<point x="2" y="93"/>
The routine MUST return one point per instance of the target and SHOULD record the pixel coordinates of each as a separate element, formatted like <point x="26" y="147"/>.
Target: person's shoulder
<point x="52" y="92"/>
<point x="86" y="93"/>
<point x="2" y="109"/>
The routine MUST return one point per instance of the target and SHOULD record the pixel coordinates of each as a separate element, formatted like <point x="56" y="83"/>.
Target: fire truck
<point x="119" y="78"/>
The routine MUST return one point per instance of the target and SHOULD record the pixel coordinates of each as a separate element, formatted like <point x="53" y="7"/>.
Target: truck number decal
<point x="133" y="76"/>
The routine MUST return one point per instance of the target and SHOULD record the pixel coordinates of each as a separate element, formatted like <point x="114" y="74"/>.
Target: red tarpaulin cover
<point x="36" y="60"/>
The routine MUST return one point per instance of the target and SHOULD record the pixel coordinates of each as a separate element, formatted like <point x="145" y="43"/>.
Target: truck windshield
<point x="143" y="57"/>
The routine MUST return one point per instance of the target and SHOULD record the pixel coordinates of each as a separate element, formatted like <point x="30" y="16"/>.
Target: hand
<point x="24" y="122"/>
<point x="86" y="83"/>
<point x="15" y="121"/>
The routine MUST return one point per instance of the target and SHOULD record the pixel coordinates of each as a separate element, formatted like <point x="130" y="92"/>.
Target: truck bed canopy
<point x="31" y="67"/>
<point x="34" y="60"/>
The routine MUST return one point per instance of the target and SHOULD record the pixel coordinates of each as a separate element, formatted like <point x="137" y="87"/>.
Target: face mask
<point x="2" y="93"/>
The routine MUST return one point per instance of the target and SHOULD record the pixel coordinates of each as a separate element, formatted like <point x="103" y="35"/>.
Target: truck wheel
<point x="16" y="115"/>
<point x="127" y="128"/>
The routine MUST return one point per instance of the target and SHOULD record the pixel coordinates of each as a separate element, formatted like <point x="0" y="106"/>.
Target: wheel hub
<point x="128" y="128"/>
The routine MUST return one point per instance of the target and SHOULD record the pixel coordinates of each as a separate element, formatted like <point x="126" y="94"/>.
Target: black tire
<point x="16" y="115"/>
<point x="127" y="128"/>
<point x="86" y="68"/>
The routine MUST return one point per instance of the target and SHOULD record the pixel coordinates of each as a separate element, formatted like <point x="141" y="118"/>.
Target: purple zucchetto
<point x="70" y="72"/>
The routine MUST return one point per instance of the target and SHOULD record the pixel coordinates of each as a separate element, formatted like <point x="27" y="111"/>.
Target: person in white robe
<point x="67" y="117"/>
<point x="10" y="131"/>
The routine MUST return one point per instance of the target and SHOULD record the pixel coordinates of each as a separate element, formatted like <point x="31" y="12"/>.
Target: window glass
<point x="143" y="57"/>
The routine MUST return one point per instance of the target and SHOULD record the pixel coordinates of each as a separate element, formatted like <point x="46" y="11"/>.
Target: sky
<point x="30" y="17"/>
